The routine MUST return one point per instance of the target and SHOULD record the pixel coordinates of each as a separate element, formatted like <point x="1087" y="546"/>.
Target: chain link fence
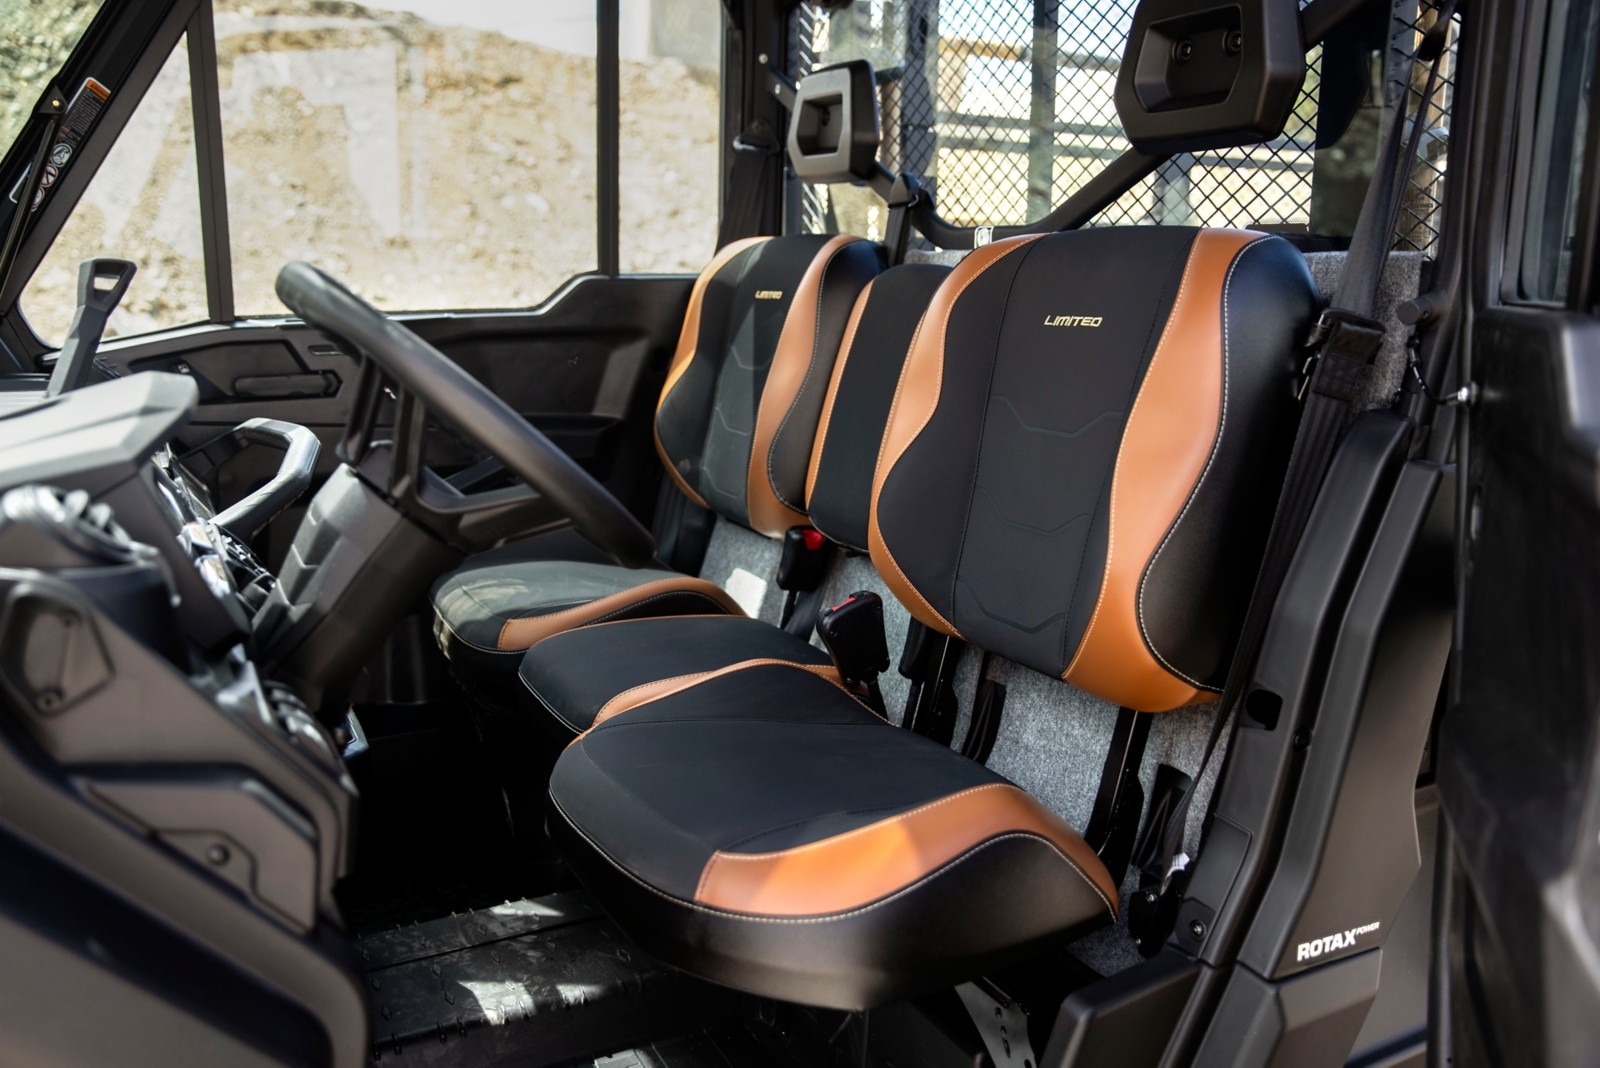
<point x="1005" y="109"/>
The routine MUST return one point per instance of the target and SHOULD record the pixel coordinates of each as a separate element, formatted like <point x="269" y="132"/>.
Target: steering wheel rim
<point x="455" y="398"/>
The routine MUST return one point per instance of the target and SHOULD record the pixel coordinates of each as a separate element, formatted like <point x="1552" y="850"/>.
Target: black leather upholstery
<point x="475" y="606"/>
<point x="772" y="314"/>
<point x="572" y="676"/>
<point x="840" y="486"/>
<point x="467" y="631"/>
<point x="1096" y="430"/>
<point x="775" y="766"/>
<point x="1083" y="447"/>
<point x="737" y="415"/>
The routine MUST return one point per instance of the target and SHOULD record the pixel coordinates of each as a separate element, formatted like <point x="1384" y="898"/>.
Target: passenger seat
<point x="1078" y="474"/>
<point x="734" y="428"/>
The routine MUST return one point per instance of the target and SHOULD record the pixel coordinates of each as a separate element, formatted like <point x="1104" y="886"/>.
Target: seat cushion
<point x="762" y="828"/>
<point x="490" y="610"/>
<point x="575" y="676"/>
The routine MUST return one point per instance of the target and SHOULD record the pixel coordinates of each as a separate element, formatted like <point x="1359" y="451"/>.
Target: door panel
<point x="1519" y="748"/>
<point x="584" y="369"/>
<point x="1516" y="972"/>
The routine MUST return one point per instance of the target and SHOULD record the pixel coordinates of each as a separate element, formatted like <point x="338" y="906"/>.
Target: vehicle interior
<point x="676" y="533"/>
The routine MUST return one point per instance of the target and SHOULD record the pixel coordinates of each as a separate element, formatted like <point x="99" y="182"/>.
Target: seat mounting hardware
<point x="1001" y="1024"/>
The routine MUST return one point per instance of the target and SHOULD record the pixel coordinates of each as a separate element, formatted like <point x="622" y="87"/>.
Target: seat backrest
<point x="1085" y="449"/>
<point x="856" y="409"/>
<point x="738" y="413"/>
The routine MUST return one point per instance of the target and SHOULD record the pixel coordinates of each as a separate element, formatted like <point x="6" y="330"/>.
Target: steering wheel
<point x="556" y="492"/>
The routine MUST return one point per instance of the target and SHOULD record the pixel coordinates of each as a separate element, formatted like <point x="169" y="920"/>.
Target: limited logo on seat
<point x="769" y="294"/>
<point x="1072" y="320"/>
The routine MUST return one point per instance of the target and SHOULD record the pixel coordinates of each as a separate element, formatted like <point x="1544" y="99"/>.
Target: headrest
<point x="1196" y="75"/>
<point x="833" y="125"/>
<point x="856" y="410"/>
<point x="738" y="413"/>
<point x="1085" y="450"/>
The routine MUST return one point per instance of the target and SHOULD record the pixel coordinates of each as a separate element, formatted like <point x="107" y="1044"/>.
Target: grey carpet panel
<point x="945" y="257"/>
<point x="740" y="560"/>
<point x="1400" y="282"/>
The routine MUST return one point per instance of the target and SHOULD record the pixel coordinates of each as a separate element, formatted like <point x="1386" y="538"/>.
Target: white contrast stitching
<point x="1021" y="242"/>
<point x="813" y="920"/>
<point x="816" y="343"/>
<point x="1111" y="510"/>
<point x="1216" y="445"/>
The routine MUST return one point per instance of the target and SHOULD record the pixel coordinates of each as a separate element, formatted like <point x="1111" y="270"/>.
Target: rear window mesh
<point x="1002" y="139"/>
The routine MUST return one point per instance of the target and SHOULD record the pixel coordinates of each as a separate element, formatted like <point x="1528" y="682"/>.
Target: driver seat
<point x="734" y="428"/>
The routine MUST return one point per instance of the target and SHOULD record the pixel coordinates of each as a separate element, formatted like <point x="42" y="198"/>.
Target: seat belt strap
<point x="748" y="180"/>
<point x="905" y="196"/>
<point x="1344" y="344"/>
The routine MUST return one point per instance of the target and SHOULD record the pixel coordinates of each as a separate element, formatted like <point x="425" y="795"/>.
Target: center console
<point x="140" y="747"/>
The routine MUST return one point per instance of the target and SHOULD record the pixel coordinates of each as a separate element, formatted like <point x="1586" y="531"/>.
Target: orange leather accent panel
<point x="524" y="633"/>
<point x="688" y="340"/>
<point x="791" y="361"/>
<point x="833" y="389"/>
<point x="1166" y="445"/>
<point x="915" y="399"/>
<point x="857" y="868"/>
<point x="654" y="691"/>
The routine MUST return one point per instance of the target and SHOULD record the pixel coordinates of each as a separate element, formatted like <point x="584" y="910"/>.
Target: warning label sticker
<point x="82" y="111"/>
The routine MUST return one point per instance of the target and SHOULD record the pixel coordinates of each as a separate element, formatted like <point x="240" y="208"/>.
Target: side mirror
<point x="1197" y="75"/>
<point x="833" y="126"/>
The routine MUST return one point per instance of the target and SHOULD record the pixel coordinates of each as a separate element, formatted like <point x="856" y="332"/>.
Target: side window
<point x="441" y="159"/>
<point x="671" y="53"/>
<point x="143" y="204"/>
<point x="1555" y="175"/>
<point x="36" y="37"/>
<point x="434" y="154"/>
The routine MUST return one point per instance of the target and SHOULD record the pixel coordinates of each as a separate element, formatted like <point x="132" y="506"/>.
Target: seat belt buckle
<point x="1345" y="331"/>
<point x="852" y="632"/>
<point x="804" y="563"/>
<point x="1352" y="340"/>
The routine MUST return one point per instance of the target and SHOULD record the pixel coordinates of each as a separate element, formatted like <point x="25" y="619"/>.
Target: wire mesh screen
<point x="1422" y="209"/>
<point x="1005" y="108"/>
<point x="1265" y="185"/>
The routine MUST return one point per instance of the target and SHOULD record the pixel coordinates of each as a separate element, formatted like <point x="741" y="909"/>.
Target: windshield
<point x="36" y="37"/>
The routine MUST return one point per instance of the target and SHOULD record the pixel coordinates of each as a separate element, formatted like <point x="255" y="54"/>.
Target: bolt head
<point x="1197" y="929"/>
<point x="219" y="854"/>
